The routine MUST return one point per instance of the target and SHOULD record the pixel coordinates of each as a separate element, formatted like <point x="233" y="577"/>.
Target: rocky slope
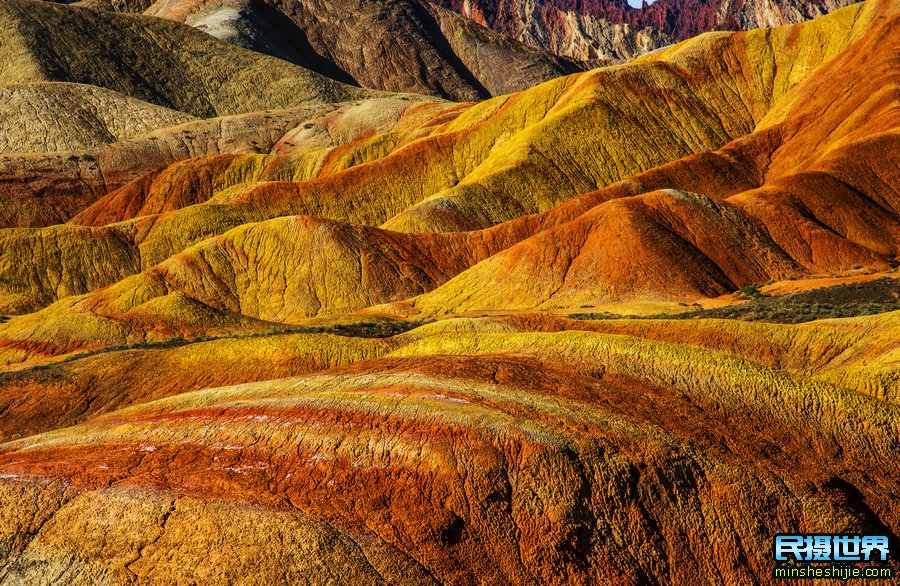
<point x="611" y="30"/>
<point x="445" y="168"/>
<point x="411" y="341"/>
<point x="398" y="46"/>
<point x="49" y="188"/>
<point x="30" y="118"/>
<point x="463" y="452"/>
<point x="797" y="213"/>
<point x="403" y="45"/>
<point x="152" y="60"/>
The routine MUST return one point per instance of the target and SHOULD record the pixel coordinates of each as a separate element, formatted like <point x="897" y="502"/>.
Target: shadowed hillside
<point x="398" y="46"/>
<point x="152" y="60"/>
<point x="407" y="45"/>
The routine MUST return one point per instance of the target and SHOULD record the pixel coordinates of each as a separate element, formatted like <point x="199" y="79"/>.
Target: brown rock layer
<point x="612" y="30"/>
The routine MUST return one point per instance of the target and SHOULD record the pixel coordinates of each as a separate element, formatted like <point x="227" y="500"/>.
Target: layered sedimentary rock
<point x="801" y="191"/>
<point x="204" y="379"/>
<point x="612" y="30"/>
<point x="445" y="168"/>
<point x="49" y="188"/>
<point x="398" y="46"/>
<point x="152" y="60"/>
<point x="229" y="191"/>
<point x="48" y="117"/>
<point x="465" y="453"/>
<point x="407" y="45"/>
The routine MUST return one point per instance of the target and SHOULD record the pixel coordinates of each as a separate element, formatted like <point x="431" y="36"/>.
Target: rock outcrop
<point x="400" y="46"/>
<point x="207" y="237"/>
<point x="467" y="453"/>
<point x="393" y="339"/>
<point x="152" y="60"/>
<point x="611" y="30"/>
<point x="50" y="117"/>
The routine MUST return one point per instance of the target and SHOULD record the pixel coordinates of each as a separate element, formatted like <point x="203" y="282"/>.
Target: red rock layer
<point x="450" y="469"/>
<point x="605" y="29"/>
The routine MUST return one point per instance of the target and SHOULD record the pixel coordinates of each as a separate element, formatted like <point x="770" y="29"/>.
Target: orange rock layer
<point x="204" y="384"/>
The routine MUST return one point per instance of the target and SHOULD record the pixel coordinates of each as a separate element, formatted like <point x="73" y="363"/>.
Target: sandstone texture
<point x="611" y="30"/>
<point x="31" y="122"/>
<point x="261" y="323"/>
<point x="466" y="452"/>
<point x="397" y="46"/>
<point x="152" y="60"/>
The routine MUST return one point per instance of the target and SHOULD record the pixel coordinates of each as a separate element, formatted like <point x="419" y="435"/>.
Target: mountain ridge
<point x="601" y="31"/>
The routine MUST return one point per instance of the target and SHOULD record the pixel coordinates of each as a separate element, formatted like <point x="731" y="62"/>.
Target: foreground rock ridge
<point x="274" y="311"/>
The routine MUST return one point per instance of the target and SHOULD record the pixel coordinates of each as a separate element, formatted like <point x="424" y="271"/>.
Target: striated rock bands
<point x="463" y="454"/>
<point x="397" y="46"/>
<point x="261" y="325"/>
<point x="611" y="30"/>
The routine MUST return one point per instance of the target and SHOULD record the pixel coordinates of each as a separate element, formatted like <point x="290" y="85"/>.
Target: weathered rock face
<point x="610" y="30"/>
<point x="474" y="171"/>
<point x="368" y="343"/>
<point x="472" y="450"/>
<point x="401" y="45"/>
<point x="42" y="189"/>
<point x="152" y="60"/>
<point x="48" y="117"/>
